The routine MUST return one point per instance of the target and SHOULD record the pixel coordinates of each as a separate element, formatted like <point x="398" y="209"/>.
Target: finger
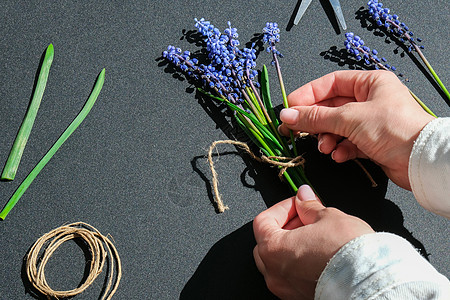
<point x="294" y="223"/>
<point x="350" y="84"/>
<point x="285" y="131"/>
<point x="345" y="151"/>
<point x="258" y="261"/>
<point x="317" y="112"/>
<point x="308" y="205"/>
<point x="319" y="119"/>
<point x="273" y="218"/>
<point x="327" y="142"/>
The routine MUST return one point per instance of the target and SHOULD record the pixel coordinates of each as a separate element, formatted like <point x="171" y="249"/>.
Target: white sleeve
<point x="380" y="266"/>
<point x="429" y="167"/>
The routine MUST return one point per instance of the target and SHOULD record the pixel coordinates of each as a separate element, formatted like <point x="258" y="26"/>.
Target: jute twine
<point x="35" y="263"/>
<point x="280" y="161"/>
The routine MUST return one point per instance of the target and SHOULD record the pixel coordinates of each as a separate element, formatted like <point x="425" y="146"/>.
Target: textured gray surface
<point x="136" y="169"/>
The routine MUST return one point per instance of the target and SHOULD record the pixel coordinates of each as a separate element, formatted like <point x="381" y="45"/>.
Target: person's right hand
<point x="366" y="114"/>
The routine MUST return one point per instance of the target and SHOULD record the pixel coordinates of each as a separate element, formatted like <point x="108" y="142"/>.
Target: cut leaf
<point x="41" y="164"/>
<point x="12" y="164"/>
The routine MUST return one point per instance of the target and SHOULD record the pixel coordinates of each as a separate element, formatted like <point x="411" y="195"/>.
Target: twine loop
<point x="100" y="247"/>
<point x="280" y="161"/>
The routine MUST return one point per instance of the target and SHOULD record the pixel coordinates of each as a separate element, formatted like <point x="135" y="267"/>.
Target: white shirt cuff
<point x="429" y="167"/>
<point x="380" y="266"/>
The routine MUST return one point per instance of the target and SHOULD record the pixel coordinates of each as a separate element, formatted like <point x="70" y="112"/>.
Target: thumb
<point x="318" y="119"/>
<point x="308" y="205"/>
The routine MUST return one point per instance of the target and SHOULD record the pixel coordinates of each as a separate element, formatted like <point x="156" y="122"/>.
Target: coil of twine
<point x="100" y="247"/>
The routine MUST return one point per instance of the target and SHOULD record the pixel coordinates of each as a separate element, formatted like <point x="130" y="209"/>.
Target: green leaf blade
<point x="265" y="94"/>
<point x="66" y="134"/>
<point x="15" y="155"/>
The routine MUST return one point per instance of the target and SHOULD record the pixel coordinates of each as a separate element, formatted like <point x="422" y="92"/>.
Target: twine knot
<point x="280" y="161"/>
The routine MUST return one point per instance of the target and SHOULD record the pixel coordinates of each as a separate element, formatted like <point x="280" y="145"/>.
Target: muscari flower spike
<point x="271" y="36"/>
<point x="391" y="22"/>
<point x="230" y="70"/>
<point x="356" y="46"/>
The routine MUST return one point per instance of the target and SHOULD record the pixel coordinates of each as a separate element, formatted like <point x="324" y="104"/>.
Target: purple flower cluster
<point x="271" y="36"/>
<point x="381" y="15"/>
<point x="356" y="46"/>
<point x="230" y="70"/>
<point x="179" y="58"/>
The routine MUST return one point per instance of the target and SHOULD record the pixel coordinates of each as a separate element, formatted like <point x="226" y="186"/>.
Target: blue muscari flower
<point x="233" y="67"/>
<point x="356" y="46"/>
<point x="271" y="36"/>
<point x="230" y="70"/>
<point x="391" y="22"/>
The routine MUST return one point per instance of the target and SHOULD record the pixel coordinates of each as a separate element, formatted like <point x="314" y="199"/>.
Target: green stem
<point x="285" y="101"/>
<point x="260" y="102"/>
<point x="266" y="115"/>
<point x="252" y="106"/>
<point x="251" y="95"/>
<point x="428" y="65"/>
<point x="422" y="104"/>
<point x="12" y="164"/>
<point x="269" y="150"/>
<point x="436" y="77"/>
<point x="254" y="121"/>
<point x="41" y="164"/>
<point x="257" y="130"/>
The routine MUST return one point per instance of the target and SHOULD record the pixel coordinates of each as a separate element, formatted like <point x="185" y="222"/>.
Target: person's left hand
<point x="296" y="238"/>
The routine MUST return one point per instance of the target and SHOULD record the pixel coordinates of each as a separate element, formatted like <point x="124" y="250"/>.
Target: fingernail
<point x="305" y="193"/>
<point x="289" y="115"/>
<point x="333" y="154"/>
<point x="319" y="146"/>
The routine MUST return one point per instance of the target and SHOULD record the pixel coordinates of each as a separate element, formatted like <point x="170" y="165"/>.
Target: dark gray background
<point x="135" y="168"/>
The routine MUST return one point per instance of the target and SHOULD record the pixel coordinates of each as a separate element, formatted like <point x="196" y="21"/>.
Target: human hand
<point x="366" y="114"/>
<point x="295" y="240"/>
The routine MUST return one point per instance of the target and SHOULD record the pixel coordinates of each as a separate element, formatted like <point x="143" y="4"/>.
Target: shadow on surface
<point x="346" y="187"/>
<point x="343" y="58"/>
<point x="228" y="271"/>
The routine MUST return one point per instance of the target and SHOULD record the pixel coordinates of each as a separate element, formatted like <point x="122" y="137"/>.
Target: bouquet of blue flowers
<point x="229" y="75"/>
